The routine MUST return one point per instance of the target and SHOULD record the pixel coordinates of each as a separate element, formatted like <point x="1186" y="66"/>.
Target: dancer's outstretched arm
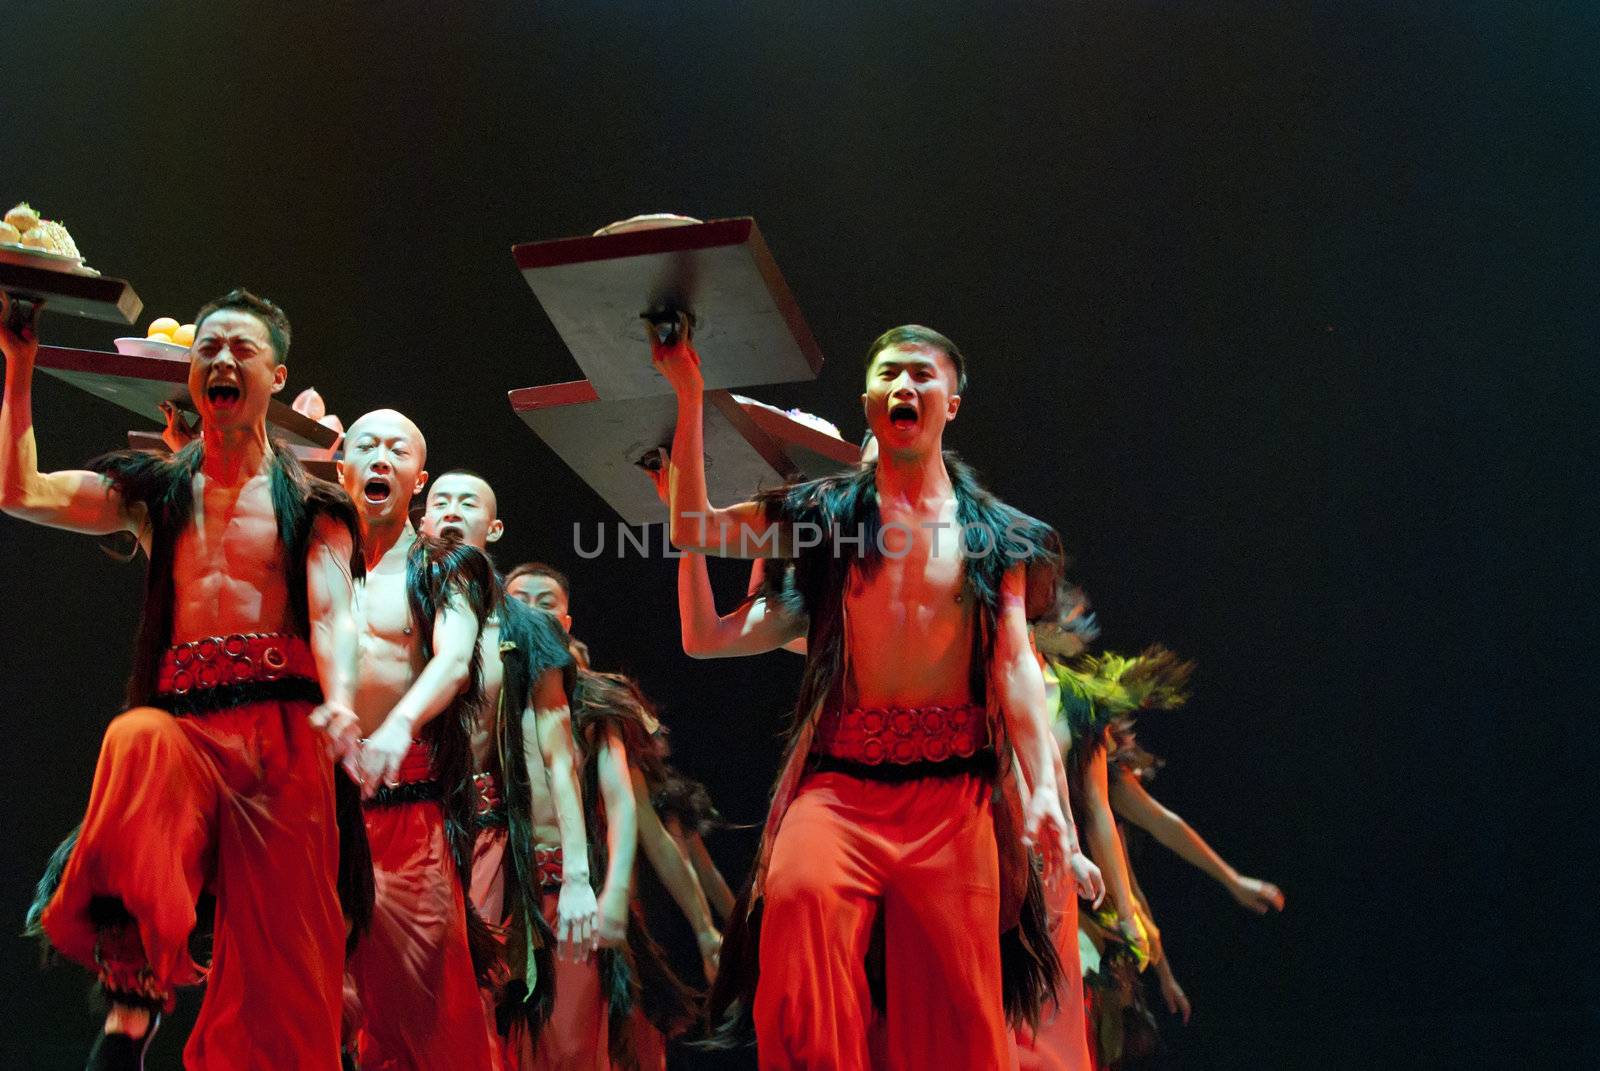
<point x="1132" y="802"/>
<point x="672" y="867"/>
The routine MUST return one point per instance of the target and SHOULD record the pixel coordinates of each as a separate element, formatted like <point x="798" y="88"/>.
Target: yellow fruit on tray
<point x="23" y="217"/>
<point x="184" y="335"/>
<point x="158" y="336"/>
<point x="164" y="325"/>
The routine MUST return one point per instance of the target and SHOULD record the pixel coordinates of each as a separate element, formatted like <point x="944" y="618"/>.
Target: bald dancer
<point x="414" y="980"/>
<point x="530" y="867"/>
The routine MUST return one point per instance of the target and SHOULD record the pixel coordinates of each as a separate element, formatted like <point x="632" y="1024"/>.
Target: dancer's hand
<point x="179" y="432"/>
<point x="576" y="921"/>
<point x="1086" y="876"/>
<point x="1045" y="828"/>
<point x="1172" y="992"/>
<point x="1257" y="895"/>
<point x="19" y="329"/>
<point x="660" y="475"/>
<point x="612" y="929"/>
<point x="341" y="732"/>
<point x="381" y="755"/>
<point x="677" y="361"/>
<point x="1138" y="941"/>
<point x="710" y="952"/>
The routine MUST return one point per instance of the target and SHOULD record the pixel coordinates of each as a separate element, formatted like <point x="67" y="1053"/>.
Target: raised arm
<point x="738" y="531"/>
<point x="335" y="640"/>
<point x="549" y="722"/>
<point x="1048" y="822"/>
<point x="673" y="868"/>
<point x="77" y="500"/>
<point x="622" y="839"/>
<point x="455" y="640"/>
<point x="754" y="627"/>
<point x="1130" y="800"/>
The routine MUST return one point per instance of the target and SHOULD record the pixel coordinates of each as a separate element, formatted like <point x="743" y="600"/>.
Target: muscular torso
<point x="227" y="572"/>
<point x="391" y="643"/>
<point x="910" y="619"/>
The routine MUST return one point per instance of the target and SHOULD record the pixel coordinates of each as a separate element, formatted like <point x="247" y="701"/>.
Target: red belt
<point x="218" y="661"/>
<point x="875" y="736"/>
<point x="486" y="792"/>
<point x="547" y="863"/>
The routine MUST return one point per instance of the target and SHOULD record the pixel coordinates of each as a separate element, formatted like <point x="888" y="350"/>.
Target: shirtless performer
<point x="616" y="703"/>
<point x="219" y="777"/>
<point x="414" y="978"/>
<point x="522" y="748"/>
<point x="919" y="671"/>
<point x="540" y="585"/>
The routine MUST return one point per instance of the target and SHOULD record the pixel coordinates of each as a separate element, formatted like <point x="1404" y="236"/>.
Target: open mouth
<point x="223" y="395"/>
<point x="452" y="532"/>
<point x="376" y="491"/>
<point x="903" y="416"/>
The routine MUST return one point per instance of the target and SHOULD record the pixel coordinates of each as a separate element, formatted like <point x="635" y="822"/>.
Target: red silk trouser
<point x="576" y="1037"/>
<point x="1062" y="1041"/>
<point x="240" y="801"/>
<point x="412" y="973"/>
<point x="489" y="896"/>
<point x="923" y="853"/>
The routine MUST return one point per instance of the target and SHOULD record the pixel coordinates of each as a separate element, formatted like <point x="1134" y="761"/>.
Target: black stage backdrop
<point x="1285" y="317"/>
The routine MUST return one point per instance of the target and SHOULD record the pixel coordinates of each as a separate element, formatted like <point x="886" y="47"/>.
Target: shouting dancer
<point x="530" y="866"/>
<point x="919" y="681"/>
<point x="219" y="776"/>
<point x="415" y="1002"/>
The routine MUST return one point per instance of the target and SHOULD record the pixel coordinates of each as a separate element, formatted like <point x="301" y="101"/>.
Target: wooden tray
<point x="98" y="297"/>
<point x="748" y="327"/>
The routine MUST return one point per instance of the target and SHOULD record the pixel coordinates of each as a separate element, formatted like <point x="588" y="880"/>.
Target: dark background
<point x="1284" y="316"/>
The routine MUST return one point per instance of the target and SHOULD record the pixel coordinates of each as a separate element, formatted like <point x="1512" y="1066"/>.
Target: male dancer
<point x="616" y="703"/>
<point x="421" y="607"/>
<point x="543" y="586"/>
<point x="219" y="776"/>
<point x="918" y="670"/>
<point x="523" y="749"/>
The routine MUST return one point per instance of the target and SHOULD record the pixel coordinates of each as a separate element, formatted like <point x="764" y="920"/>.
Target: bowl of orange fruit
<point x="165" y="338"/>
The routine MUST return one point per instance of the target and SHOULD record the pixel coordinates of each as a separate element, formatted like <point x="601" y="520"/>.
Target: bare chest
<point x="385" y="612"/>
<point x="233" y="533"/>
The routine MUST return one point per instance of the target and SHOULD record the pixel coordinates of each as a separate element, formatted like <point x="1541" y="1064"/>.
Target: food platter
<point x="27" y="256"/>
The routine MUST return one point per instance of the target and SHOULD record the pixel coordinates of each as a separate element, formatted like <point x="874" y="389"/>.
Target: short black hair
<point x="272" y="316"/>
<point x="917" y="335"/>
<point x="541" y="569"/>
<point x="464" y="472"/>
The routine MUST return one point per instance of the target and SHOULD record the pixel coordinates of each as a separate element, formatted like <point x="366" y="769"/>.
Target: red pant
<point x="922" y="852"/>
<point x="489" y="896"/>
<point x="1062" y="1042"/>
<point x="239" y="801"/>
<point x="577" y="1037"/>
<point x="412" y="974"/>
